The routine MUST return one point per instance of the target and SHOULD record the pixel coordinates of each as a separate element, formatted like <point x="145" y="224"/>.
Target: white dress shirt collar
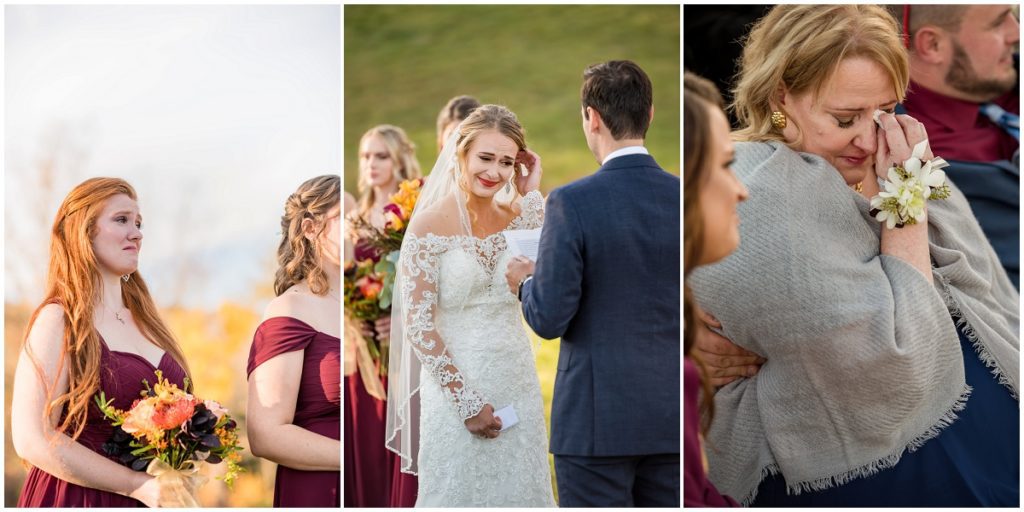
<point x="628" y="150"/>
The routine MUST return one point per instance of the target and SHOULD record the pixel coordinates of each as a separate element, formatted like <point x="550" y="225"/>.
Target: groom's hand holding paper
<point x="518" y="269"/>
<point x="523" y="242"/>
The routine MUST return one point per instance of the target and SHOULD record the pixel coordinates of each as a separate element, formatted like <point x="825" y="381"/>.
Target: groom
<point x="607" y="282"/>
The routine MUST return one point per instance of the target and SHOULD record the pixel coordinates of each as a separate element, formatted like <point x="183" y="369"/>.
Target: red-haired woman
<point x="294" y="411"/>
<point x="97" y="329"/>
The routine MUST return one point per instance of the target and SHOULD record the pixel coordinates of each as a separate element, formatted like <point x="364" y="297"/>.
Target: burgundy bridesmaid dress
<point x="121" y="375"/>
<point x="373" y="476"/>
<point x="367" y="472"/>
<point x="317" y="407"/>
<point x="698" y="491"/>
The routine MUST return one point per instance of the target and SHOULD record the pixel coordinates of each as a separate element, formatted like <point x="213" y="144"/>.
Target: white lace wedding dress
<point x="468" y="333"/>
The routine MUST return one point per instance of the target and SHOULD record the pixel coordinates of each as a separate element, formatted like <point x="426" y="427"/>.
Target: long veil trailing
<point x="440" y="191"/>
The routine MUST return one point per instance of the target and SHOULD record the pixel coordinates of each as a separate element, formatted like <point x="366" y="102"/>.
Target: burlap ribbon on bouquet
<point x="357" y="356"/>
<point x="178" y="486"/>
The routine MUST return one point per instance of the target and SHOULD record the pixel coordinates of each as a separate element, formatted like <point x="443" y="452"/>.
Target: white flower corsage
<point x="907" y="188"/>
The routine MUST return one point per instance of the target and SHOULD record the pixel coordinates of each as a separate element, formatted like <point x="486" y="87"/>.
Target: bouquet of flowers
<point x="396" y="214"/>
<point x="369" y="285"/>
<point x="362" y="302"/>
<point x="169" y="434"/>
<point x="362" y="290"/>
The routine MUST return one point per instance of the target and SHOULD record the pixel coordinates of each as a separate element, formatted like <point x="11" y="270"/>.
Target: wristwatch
<point x="519" y="291"/>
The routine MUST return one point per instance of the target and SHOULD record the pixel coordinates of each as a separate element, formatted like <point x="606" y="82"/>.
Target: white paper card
<point x="524" y="242"/>
<point x="508" y="417"/>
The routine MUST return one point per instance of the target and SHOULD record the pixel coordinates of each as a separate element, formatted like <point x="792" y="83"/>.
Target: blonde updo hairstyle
<point x="298" y="257"/>
<point x="403" y="157"/>
<point x="483" y="118"/>
<point x="799" y="47"/>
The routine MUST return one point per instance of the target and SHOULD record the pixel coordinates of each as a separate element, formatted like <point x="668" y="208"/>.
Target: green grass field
<point x="402" y="63"/>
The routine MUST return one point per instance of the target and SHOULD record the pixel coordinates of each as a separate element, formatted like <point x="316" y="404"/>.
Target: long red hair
<point x="73" y="281"/>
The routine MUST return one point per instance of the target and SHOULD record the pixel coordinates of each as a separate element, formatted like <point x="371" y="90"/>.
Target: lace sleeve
<point x="532" y="212"/>
<point x="420" y="269"/>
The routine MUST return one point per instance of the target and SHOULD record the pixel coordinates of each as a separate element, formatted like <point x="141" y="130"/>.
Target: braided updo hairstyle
<point x="298" y="257"/>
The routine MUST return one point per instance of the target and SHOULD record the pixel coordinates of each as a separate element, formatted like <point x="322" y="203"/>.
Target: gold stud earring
<point x="778" y="119"/>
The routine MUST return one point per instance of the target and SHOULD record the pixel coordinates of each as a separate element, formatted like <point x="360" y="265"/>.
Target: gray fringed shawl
<point x="863" y="356"/>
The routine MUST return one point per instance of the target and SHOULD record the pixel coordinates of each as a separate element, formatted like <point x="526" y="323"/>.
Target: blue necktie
<point x="1010" y="123"/>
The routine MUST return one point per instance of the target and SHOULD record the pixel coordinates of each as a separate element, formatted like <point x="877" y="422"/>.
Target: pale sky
<point x="214" y="113"/>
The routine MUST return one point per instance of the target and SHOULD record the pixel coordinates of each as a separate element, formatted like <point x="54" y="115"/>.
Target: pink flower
<point x="140" y="418"/>
<point x="393" y="208"/>
<point x="215" y="408"/>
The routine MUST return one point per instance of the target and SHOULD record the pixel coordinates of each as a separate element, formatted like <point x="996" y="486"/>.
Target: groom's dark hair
<point x="621" y="92"/>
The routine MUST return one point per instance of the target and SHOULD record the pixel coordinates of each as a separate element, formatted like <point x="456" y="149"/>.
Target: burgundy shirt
<point x="957" y="130"/>
<point x="698" y="491"/>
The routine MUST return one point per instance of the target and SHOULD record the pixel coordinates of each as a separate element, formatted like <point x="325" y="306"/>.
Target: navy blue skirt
<point x="972" y="463"/>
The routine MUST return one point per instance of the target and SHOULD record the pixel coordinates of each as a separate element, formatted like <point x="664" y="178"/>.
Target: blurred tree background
<point x="215" y="114"/>
<point x="403" y="63"/>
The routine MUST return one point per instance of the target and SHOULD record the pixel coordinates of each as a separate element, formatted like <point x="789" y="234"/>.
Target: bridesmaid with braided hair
<point x="294" y="370"/>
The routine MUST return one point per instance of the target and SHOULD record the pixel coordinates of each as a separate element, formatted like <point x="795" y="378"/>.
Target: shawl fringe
<point x="886" y="462"/>
<point x="983" y="353"/>
<point x="767" y="471"/>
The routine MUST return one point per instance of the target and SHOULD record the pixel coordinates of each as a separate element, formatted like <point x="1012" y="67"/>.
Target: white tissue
<point x="875" y="116"/>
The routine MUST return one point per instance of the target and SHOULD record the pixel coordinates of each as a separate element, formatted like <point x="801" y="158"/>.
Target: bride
<point x="454" y="318"/>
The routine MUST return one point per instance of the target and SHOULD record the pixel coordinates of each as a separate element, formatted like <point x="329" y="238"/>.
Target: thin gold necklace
<point x="117" y="314"/>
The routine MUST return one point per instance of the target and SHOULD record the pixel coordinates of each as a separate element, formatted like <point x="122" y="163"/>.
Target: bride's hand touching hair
<point x="530" y="182"/>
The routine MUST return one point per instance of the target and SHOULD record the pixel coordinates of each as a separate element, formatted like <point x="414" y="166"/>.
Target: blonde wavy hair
<point x="799" y="47"/>
<point x="403" y="156"/>
<point x="74" y="283"/>
<point x="298" y="257"/>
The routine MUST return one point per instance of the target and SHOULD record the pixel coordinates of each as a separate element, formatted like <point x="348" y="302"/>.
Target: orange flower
<point x="370" y="287"/>
<point x="171" y="414"/>
<point x="405" y="198"/>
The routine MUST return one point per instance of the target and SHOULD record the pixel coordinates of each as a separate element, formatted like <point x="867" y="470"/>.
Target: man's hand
<point x="725" y="361"/>
<point x="518" y="269"/>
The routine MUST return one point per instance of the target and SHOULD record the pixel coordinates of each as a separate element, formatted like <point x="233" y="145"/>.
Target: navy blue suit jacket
<point x="993" y="191"/>
<point x="607" y="282"/>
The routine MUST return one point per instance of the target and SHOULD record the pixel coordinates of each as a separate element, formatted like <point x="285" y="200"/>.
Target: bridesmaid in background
<point x="96" y="330"/>
<point x="387" y="157"/>
<point x="372" y="476"/>
<point x="294" y="409"/>
<point x="454" y="112"/>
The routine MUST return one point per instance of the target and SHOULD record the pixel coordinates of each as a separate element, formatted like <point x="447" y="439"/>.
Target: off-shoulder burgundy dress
<point x="121" y="375"/>
<point x="317" y="408"/>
